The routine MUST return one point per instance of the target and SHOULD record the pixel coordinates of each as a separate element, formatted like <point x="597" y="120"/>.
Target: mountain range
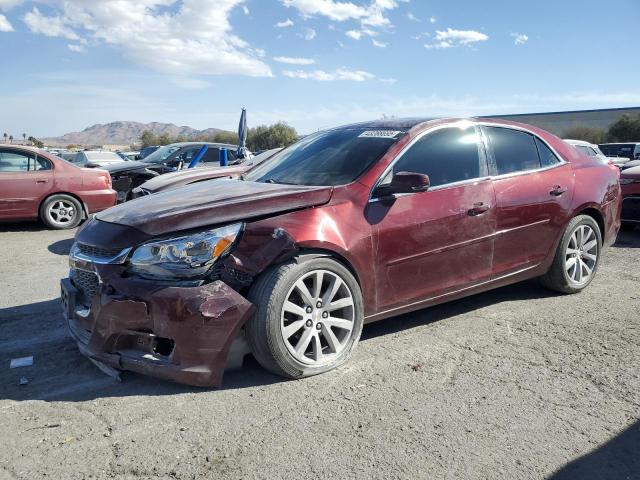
<point x="123" y="133"/>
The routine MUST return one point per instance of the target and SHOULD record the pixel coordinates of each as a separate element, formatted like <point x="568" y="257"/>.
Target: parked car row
<point x="358" y="223"/>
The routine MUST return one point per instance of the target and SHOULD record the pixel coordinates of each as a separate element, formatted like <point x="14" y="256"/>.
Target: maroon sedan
<point x="630" y="183"/>
<point x="347" y="226"/>
<point x="35" y="184"/>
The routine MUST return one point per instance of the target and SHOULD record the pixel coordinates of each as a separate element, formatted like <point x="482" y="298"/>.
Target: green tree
<point x="273" y="136"/>
<point x="226" y="137"/>
<point x="35" y="142"/>
<point x="10" y="138"/>
<point x="5" y="137"/>
<point x="148" y="139"/>
<point x="626" y="129"/>
<point x="587" y="134"/>
<point x="164" y="139"/>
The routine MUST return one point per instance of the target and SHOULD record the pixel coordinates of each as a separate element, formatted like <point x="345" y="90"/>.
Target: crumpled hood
<point x="190" y="175"/>
<point x="211" y="203"/>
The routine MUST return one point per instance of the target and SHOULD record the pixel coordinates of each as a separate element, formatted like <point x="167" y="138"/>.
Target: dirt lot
<point x="515" y="383"/>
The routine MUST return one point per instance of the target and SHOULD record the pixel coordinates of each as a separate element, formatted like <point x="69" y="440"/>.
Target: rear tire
<point x="60" y="212"/>
<point x="577" y="257"/>
<point x="318" y="327"/>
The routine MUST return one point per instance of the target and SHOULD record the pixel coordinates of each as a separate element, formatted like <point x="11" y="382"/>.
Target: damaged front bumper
<point x="185" y="334"/>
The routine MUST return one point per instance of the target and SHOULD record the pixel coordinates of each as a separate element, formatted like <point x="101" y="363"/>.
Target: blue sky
<point x="70" y="64"/>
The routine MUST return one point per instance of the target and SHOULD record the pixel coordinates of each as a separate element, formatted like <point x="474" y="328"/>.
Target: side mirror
<point x="404" y="182"/>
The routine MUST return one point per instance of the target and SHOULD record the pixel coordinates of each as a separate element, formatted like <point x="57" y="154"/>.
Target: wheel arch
<point x="85" y="209"/>
<point x="594" y="213"/>
<point x="309" y="253"/>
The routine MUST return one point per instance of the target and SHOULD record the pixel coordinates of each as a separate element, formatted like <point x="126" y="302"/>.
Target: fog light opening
<point x="163" y="346"/>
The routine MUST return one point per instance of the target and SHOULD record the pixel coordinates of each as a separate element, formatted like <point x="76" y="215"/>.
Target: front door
<point x="432" y="242"/>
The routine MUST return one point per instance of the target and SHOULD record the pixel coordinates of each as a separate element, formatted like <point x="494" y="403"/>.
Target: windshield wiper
<point x="278" y="182"/>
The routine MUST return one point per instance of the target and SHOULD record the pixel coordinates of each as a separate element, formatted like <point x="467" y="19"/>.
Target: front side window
<point x="547" y="157"/>
<point x="331" y="158"/>
<point x="447" y="155"/>
<point x="513" y="150"/>
<point x="13" y="161"/>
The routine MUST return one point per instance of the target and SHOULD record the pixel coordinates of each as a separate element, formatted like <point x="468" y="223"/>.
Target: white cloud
<point x="412" y="17"/>
<point x="520" y="38"/>
<point x="195" y="37"/>
<point x="355" y="34"/>
<point x="432" y="19"/>
<point x="323" y="76"/>
<point x="295" y="61"/>
<point x="74" y="47"/>
<point x="378" y="44"/>
<point x="309" y="34"/>
<point x="340" y="11"/>
<point x="453" y="38"/>
<point x="389" y="81"/>
<point x="284" y="24"/>
<point x="55" y="26"/>
<point x="190" y="83"/>
<point x="5" y="25"/>
<point x="245" y="10"/>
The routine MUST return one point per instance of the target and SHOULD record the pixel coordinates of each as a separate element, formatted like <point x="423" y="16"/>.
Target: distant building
<point x="559" y="122"/>
<point x="116" y="148"/>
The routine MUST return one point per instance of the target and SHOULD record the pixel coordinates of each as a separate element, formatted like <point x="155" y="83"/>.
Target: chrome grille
<point x="98" y="252"/>
<point x="87" y="284"/>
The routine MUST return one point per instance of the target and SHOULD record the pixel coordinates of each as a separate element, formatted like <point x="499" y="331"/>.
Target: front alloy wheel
<point x="308" y="319"/>
<point x="317" y="317"/>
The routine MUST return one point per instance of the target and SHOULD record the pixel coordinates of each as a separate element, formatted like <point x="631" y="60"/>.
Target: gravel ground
<point x="517" y="383"/>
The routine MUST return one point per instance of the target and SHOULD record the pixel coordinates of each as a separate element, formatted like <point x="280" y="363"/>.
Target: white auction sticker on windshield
<point x="380" y="133"/>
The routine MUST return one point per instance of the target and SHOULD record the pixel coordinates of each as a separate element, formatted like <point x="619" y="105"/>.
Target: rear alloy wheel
<point x="308" y="317"/>
<point x="61" y="212"/>
<point x="577" y="257"/>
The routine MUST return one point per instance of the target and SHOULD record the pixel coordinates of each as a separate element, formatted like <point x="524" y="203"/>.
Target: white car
<point x="96" y="158"/>
<point x="592" y="150"/>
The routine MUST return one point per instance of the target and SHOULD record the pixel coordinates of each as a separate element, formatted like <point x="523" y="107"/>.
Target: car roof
<point x="390" y="123"/>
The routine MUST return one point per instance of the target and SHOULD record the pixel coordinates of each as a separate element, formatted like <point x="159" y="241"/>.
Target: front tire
<point x="308" y="317"/>
<point x="577" y="257"/>
<point x="60" y="212"/>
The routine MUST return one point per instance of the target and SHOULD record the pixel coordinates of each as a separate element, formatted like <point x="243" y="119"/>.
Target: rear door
<point x="429" y="243"/>
<point x="24" y="181"/>
<point x="533" y="190"/>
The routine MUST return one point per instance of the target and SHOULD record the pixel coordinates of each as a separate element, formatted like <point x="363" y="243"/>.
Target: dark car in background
<point x="146" y="151"/>
<point x="181" y="178"/>
<point x="35" y="185"/>
<point x="169" y="158"/>
<point x="626" y="152"/>
<point x="630" y="184"/>
<point x="346" y="226"/>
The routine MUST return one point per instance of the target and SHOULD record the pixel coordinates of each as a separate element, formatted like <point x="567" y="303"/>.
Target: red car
<point x="345" y="227"/>
<point x="35" y="184"/>
<point x="630" y="184"/>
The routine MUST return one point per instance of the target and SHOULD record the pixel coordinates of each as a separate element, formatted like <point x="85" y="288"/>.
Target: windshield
<point x="161" y="154"/>
<point x="334" y="157"/>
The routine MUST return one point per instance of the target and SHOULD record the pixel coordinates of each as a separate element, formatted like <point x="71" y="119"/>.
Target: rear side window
<point x="446" y="156"/>
<point x="513" y="150"/>
<point x="42" y="163"/>
<point x="547" y="157"/>
<point x="13" y="161"/>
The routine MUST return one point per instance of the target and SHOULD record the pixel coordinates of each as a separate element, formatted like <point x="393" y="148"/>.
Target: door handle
<point x="557" y="190"/>
<point x="42" y="180"/>
<point x="478" y="209"/>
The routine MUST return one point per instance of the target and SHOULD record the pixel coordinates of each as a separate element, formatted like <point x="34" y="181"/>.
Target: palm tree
<point x="5" y="137"/>
<point x="10" y="138"/>
<point x="24" y="138"/>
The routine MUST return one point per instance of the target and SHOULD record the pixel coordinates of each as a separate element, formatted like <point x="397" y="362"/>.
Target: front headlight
<point x="185" y="257"/>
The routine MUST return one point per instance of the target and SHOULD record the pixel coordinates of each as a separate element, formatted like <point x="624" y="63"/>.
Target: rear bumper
<point x="173" y="333"/>
<point x="98" y="200"/>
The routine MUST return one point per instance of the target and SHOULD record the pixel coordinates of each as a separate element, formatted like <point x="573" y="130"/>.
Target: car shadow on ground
<point x="628" y="238"/>
<point x="22" y="227"/>
<point x="619" y="458"/>
<point x="61" y="247"/>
